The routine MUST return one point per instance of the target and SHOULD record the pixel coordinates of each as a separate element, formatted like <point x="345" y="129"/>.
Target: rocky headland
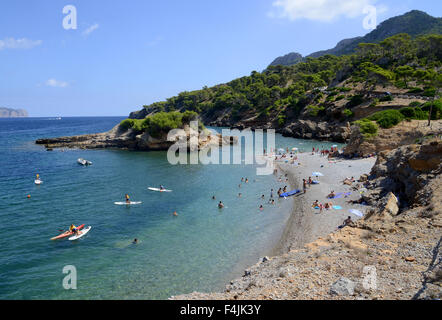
<point x="130" y="139"/>
<point x="13" y="113"/>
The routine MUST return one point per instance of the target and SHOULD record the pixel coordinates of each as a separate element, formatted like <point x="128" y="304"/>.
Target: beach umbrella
<point x="356" y="212"/>
<point x="317" y="174"/>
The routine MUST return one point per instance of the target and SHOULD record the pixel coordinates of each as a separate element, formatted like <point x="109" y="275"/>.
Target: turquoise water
<point x="199" y="250"/>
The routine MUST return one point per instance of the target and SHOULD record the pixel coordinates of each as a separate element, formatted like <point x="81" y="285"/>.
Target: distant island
<point x="13" y="113"/>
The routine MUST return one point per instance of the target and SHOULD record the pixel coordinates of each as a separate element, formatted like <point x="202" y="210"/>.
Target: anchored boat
<point x="84" y="162"/>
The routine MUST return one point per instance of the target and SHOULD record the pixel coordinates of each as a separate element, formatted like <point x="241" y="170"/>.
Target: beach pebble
<point x="342" y="287"/>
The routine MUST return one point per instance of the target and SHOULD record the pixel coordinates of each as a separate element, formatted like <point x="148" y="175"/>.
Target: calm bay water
<point x="199" y="250"/>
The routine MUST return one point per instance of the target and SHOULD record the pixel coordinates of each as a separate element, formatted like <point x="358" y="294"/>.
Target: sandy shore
<point x="307" y="224"/>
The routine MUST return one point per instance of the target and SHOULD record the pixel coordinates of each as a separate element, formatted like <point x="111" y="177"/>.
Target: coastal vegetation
<point x="327" y="88"/>
<point x="159" y="123"/>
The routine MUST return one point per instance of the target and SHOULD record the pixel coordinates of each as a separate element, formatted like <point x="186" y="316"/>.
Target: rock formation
<point x="118" y="138"/>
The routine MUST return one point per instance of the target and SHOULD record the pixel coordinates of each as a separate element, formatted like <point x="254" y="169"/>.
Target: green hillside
<point x="415" y="23"/>
<point x="328" y="88"/>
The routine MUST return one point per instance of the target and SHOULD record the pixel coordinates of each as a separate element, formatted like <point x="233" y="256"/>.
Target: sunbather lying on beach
<point x="331" y="195"/>
<point x="347" y="222"/>
<point x="361" y="200"/>
<point x="328" y="205"/>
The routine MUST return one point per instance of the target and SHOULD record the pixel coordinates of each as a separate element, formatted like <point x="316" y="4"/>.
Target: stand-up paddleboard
<point x="80" y="234"/>
<point x="66" y="233"/>
<point x="159" y="190"/>
<point x="127" y="203"/>
<point x="38" y="181"/>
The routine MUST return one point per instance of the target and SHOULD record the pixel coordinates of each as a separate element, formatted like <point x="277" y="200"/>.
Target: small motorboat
<point x="84" y="162"/>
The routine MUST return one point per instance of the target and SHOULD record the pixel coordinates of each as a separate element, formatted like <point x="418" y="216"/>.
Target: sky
<point x="126" y="54"/>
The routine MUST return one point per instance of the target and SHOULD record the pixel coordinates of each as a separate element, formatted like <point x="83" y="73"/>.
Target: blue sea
<point x="199" y="250"/>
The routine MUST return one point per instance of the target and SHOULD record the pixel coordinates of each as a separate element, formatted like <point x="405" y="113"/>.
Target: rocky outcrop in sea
<point x="117" y="138"/>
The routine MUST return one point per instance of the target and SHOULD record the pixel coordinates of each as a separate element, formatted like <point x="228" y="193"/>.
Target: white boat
<point x="84" y="162"/>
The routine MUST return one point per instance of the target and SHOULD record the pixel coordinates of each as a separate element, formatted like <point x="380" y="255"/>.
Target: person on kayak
<point x="73" y="229"/>
<point x="162" y="188"/>
<point x="127" y="198"/>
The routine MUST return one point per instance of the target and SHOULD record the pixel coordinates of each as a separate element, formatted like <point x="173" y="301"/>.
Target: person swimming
<point x="175" y="214"/>
<point x="213" y="197"/>
<point x="135" y="241"/>
<point x="220" y="205"/>
<point x="261" y="207"/>
<point x="239" y="195"/>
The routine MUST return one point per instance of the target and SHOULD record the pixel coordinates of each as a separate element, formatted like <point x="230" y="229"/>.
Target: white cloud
<point x="91" y="29"/>
<point x="56" y="83"/>
<point x="319" y="10"/>
<point x="11" y="43"/>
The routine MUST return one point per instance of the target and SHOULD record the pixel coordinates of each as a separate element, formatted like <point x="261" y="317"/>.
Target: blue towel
<point x="288" y="194"/>
<point x="342" y="194"/>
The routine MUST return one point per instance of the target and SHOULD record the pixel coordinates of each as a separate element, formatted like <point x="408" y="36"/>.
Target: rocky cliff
<point x="407" y="132"/>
